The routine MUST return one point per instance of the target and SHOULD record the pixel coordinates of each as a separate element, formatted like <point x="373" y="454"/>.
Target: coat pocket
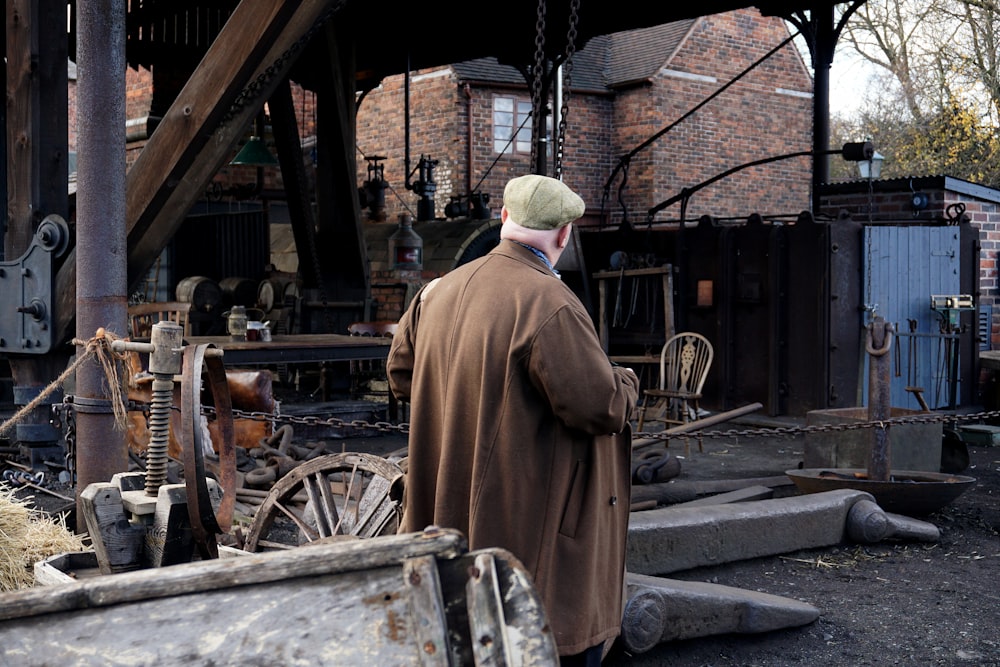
<point x="574" y="500"/>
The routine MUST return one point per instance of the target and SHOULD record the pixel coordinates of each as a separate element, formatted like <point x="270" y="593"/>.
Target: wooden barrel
<point x="271" y="292"/>
<point x="238" y="291"/>
<point x="290" y="294"/>
<point x="204" y="294"/>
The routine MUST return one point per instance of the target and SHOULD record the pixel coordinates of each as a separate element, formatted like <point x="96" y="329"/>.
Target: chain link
<point x="926" y="418"/>
<point x="538" y="71"/>
<point x="252" y="91"/>
<point x="404" y="427"/>
<point x="567" y="80"/>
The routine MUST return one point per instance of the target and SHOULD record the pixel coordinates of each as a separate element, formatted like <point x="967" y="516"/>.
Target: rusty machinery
<point x="163" y="523"/>
<point x="26" y="287"/>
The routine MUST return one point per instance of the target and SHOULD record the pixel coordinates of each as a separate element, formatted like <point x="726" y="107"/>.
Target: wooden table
<point x="294" y="349"/>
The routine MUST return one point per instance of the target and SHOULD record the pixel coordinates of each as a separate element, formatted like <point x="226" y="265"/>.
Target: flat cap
<point x="541" y="202"/>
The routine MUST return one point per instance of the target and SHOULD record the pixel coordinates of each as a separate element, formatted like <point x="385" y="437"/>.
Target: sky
<point x="849" y="82"/>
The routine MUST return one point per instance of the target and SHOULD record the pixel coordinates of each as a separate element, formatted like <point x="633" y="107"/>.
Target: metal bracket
<point x="26" y="291"/>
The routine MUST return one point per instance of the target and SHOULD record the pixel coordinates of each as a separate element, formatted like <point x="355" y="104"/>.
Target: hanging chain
<point x="538" y="71"/>
<point x="255" y="88"/>
<point x="574" y="10"/>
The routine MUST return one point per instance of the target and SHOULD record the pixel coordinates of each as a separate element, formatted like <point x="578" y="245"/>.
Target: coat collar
<point x="525" y="252"/>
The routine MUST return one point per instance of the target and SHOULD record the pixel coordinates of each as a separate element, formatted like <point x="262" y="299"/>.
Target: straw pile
<point x="26" y="537"/>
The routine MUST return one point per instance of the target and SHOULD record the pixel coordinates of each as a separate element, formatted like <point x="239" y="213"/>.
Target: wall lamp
<point x="871" y="168"/>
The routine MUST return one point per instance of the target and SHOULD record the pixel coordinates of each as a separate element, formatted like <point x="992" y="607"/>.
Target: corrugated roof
<point x="606" y="61"/>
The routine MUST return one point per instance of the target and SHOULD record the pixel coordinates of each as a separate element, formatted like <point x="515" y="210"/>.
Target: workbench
<point x="296" y="348"/>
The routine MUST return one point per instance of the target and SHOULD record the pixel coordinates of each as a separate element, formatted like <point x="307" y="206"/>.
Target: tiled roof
<point x="605" y="62"/>
<point x="637" y="55"/>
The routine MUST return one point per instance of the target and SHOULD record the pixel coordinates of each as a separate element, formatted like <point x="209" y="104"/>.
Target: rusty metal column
<point x="101" y="256"/>
<point x="879" y="401"/>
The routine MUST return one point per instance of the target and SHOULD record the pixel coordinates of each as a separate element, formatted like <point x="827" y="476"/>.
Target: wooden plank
<point x="426" y="613"/>
<point x="117" y="542"/>
<point x="486" y="614"/>
<point x="21" y="91"/>
<point x="753" y="492"/>
<point x="652" y="271"/>
<point x="210" y="575"/>
<point x="392" y="600"/>
<point x="288" y="143"/>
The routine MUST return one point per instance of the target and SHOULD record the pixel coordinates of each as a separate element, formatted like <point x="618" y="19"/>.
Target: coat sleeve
<point x="399" y="363"/>
<point x="569" y="367"/>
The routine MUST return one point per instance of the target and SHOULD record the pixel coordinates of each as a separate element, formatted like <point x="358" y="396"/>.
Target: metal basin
<point x="909" y="492"/>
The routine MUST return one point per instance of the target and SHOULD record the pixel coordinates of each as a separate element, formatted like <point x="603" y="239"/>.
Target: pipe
<point x="826" y="43"/>
<point x="101" y="242"/>
<point x="469" y="138"/>
<point x="406" y="125"/>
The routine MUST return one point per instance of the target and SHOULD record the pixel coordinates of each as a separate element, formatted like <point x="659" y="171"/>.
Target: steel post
<point x="100" y="231"/>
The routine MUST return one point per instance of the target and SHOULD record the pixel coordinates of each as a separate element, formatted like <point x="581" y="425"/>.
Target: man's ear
<point x="564" y="233"/>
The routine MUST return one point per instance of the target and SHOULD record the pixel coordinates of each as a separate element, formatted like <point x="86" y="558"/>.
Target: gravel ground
<point x="890" y="603"/>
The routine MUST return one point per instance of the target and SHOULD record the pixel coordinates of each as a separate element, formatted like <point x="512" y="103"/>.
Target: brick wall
<point x="767" y="113"/>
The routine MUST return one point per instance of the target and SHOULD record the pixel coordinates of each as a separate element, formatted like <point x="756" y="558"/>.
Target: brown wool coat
<point x="519" y="433"/>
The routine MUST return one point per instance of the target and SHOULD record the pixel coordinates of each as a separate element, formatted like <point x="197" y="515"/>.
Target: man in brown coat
<point x="519" y="430"/>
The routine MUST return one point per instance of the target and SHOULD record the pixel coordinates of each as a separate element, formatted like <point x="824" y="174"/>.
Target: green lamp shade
<point x="255" y="154"/>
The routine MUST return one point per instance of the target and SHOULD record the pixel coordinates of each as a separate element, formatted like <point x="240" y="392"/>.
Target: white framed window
<point x="511" y="124"/>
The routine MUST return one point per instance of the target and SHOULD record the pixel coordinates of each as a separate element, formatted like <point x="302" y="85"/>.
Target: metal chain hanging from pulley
<point x="539" y="71"/>
<point x="567" y="78"/>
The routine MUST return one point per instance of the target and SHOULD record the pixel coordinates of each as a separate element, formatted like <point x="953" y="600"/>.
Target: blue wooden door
<point x="904" y="267"/>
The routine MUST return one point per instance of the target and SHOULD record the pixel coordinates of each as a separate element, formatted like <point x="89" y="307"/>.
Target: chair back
<point x="684" y="363"/>
<point x="142" y="316"/>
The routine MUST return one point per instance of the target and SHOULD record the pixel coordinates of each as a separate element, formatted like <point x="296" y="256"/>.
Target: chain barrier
<point x="65" y="412"/>
<point x="926" y="418"/>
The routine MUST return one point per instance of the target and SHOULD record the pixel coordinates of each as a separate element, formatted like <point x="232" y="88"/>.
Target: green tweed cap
<point x="541" y="202"/>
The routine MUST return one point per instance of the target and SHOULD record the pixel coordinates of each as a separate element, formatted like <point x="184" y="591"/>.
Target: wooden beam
<point x="196" y="137"/>
<point x="21" y="93"/>
<point x="288" y="142"/>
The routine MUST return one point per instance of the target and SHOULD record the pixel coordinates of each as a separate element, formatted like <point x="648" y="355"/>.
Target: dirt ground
<point x="890" y="603"/>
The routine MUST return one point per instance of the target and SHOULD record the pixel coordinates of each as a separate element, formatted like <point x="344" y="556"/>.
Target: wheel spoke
<point x="346" y="494"/>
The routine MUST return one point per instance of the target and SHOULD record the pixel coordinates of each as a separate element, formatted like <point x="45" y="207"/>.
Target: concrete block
<point x="661" y="610"/>
<point x="672" y="539"/>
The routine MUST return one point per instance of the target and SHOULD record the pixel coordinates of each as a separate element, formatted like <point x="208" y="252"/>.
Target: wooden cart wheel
<point x="352" y="494"/>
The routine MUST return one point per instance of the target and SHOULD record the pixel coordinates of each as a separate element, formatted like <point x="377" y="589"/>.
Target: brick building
<point x="621" y="90"/>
